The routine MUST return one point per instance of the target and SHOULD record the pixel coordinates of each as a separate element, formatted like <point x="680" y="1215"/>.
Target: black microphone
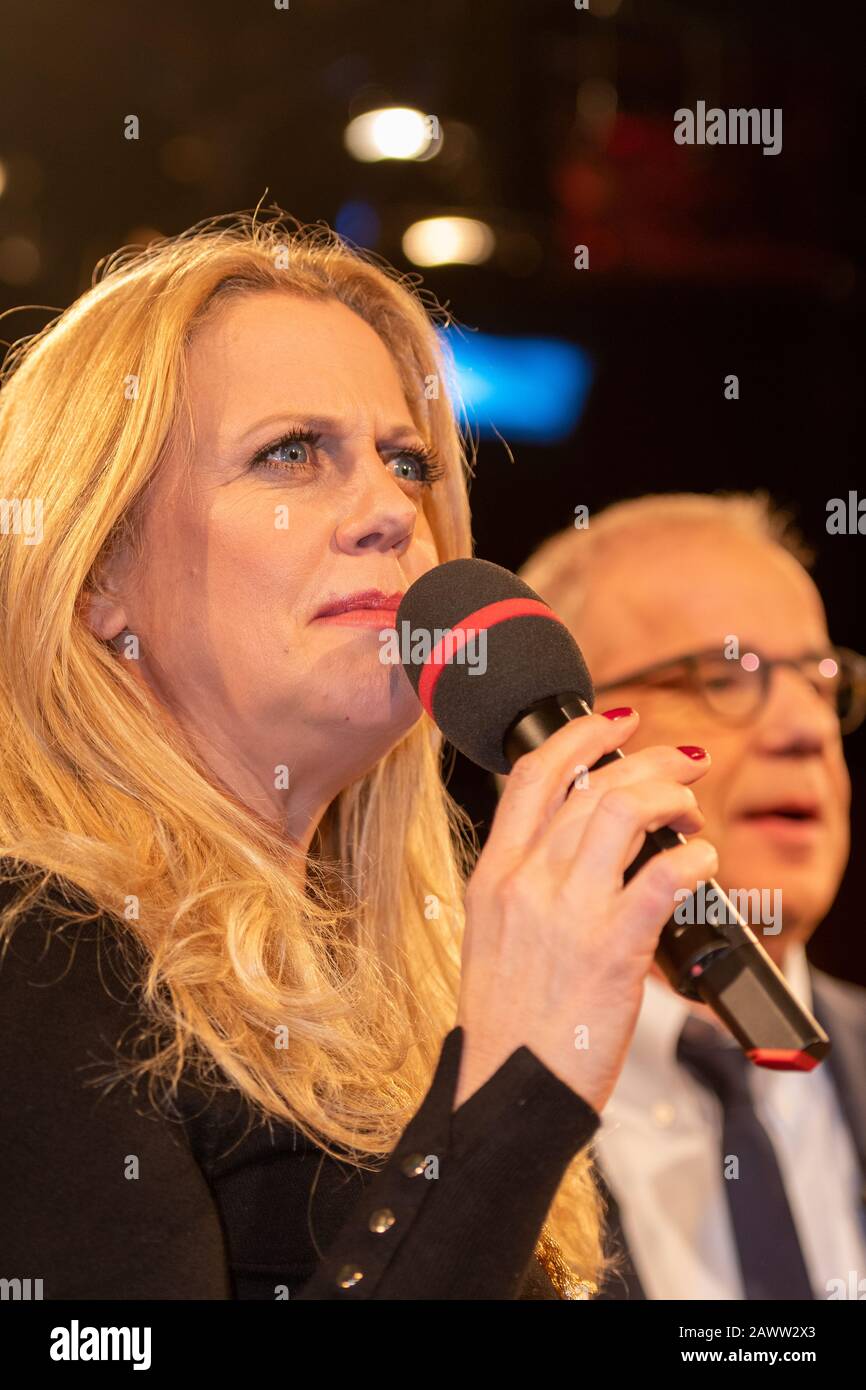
<point x="499" y="672"/>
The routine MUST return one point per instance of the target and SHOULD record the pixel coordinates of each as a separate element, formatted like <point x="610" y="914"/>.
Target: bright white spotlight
<point x="393" y="132"/>
<point x="448" y="241"/>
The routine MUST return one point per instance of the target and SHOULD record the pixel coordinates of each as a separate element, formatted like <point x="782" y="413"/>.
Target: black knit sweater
<point x="103" y="1196"/>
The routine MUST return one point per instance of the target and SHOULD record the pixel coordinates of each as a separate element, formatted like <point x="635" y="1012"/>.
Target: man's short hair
<point x="560" y="568"/>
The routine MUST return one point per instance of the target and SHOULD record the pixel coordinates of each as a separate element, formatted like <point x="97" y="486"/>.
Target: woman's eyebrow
<point x="330" y="424"/>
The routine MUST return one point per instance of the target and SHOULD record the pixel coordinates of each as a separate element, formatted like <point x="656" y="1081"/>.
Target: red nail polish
<point x="691" y="750"/>
<point x="622" y="712"/>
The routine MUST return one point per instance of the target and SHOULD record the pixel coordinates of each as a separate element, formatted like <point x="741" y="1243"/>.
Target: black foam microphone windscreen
<point x="480" y="649"/>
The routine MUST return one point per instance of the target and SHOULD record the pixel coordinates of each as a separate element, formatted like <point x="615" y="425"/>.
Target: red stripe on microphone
<point x="456" y="638"/>
<point x="782" y="1058"/>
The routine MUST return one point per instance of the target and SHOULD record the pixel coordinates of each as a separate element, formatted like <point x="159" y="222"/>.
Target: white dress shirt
<point x="659" y="1148"/>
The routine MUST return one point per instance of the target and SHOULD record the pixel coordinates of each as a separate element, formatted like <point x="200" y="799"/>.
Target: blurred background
<point x="478" y="144"/>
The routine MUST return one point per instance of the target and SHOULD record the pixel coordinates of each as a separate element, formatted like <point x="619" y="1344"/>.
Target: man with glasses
<point x="725" y="1180"/>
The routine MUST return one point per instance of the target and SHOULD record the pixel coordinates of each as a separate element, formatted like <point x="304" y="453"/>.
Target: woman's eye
<point x="406" y="464"/>
<point x="295" y="452"/>
<point x="298" y="451"/>
<point x="426" y="471"/>
<point x="286" y="454"/>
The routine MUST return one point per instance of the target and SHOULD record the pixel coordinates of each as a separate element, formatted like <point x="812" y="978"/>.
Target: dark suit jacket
<point x="840" y="1008"/>
<point x="216" y="1210"/>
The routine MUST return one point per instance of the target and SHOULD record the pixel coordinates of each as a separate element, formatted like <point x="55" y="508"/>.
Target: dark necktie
<point x="769" y="1252"/>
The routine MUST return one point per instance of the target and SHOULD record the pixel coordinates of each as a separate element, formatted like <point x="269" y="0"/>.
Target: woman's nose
<point x="379" y="516"/>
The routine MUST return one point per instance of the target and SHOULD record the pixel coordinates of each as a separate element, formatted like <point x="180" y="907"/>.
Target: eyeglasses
<point x="736" y="687"/>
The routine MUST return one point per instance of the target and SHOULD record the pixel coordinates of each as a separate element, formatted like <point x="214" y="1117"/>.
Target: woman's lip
<point x="380" y="618"/>
<point x="366" y="599"/>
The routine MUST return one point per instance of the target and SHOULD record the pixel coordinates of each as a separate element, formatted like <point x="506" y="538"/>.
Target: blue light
<point x="357" y="221"/>
<point x="531" y="389"/>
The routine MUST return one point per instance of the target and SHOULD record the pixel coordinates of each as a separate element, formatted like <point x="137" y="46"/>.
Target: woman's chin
<point x="372" y="700"/>
<point x="398" y="711"/>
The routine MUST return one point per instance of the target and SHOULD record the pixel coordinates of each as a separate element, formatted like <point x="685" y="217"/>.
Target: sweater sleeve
<point x="100" y="1198"/>
<point x="457" y="1210"/>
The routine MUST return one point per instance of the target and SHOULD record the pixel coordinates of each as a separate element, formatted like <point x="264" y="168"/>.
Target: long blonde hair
<point x="354" y="961"/>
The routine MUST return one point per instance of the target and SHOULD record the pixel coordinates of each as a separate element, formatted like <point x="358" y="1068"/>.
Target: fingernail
<point x="691" y="750"/>
<point x="622" y="712"/>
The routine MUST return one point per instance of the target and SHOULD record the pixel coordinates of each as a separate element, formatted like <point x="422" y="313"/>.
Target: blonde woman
<point x="267" y="1029"/>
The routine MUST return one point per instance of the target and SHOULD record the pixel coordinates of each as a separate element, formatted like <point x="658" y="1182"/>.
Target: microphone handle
<point x="719" y="963"/>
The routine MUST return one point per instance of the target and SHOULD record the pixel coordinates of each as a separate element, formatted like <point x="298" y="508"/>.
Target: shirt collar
<point x="651" y="1072"/>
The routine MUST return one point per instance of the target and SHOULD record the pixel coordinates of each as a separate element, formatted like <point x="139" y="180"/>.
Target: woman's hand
<point x="556" y="949"/>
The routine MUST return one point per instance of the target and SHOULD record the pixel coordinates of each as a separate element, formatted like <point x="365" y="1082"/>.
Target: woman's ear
<point x="103" y="605"/>
<point x="104" y="615"/>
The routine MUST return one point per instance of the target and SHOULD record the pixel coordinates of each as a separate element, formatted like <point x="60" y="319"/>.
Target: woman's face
<point x="242" y="554"/>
